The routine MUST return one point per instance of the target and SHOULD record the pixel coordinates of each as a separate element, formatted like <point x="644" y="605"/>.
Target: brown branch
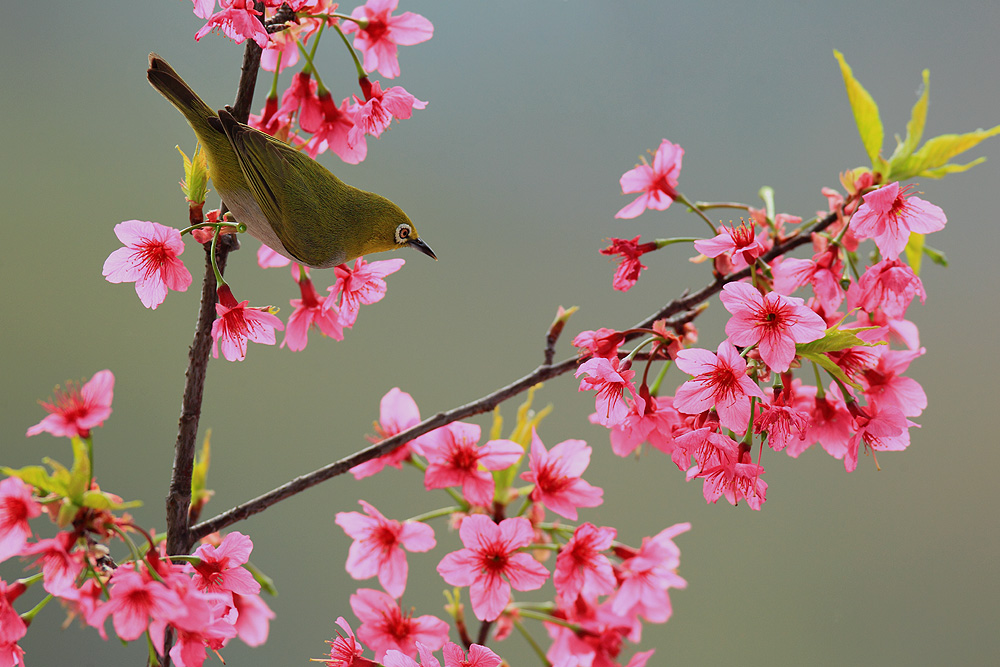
<point x="677" y="312"/>
<point x="179" y="538"/>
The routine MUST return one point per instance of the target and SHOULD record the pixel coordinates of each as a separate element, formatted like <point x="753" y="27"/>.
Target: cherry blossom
<point x="556" y="476"/>
<point x="738" y="243"/>
<point x="647" y="574"/>
<point x="627" y="273"/>
<point x="490" y="560"/>
<point x="888" y="286"/>
<point x="311" y="310"/>
<point x="379" y="33"/>
<point x="397" y="412"/>
<point x="720" y="381"/>
<point x="237" y="20"/>
<point x="610" y="380"/>
<point x="385" y="626"/>
<point x="582" y="568"/>
<point x="773" y="322"/>
<point x="889" y="214"/>
<point x="378" y="546"/>
<point x="149" y="259"/>
<point x="220" y="569"/>
<point x="16" y="507"/>
<point x="364" y="284"/>
<point x="379" y="108"/>
<point x="454" y="460"/>
<point x="77" y="410"/>
<point x="238" y="323"/>
<point x="657" y="183"/>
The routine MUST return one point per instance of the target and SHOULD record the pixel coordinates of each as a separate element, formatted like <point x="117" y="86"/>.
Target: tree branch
<point x="676" y="313"/>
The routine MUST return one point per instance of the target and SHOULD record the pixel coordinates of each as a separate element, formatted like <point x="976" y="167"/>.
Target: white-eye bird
<point x="291" y="203"/>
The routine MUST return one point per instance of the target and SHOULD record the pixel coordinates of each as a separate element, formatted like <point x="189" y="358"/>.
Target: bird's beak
<point x="422" y="247"/>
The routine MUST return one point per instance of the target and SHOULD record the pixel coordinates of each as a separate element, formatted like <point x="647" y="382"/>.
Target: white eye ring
<point x="403" y="232"/>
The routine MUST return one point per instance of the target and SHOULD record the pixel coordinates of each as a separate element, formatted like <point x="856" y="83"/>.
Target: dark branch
<point x="677" y="312"/>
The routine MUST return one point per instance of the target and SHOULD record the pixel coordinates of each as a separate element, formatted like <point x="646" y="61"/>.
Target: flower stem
<point x="357" y="63"/>
<point x="531" y="642"/>
<point x="694" y="207"/>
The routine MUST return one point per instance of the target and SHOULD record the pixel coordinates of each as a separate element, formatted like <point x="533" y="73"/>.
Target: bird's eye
<point x="403" y="233"/>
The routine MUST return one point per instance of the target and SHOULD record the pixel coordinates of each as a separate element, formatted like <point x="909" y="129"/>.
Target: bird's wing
<point x="266" y="163"/>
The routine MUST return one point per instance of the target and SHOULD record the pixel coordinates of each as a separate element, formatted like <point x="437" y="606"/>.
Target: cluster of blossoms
<point x="150" y="257"/>
<point x="708" y="425"/>
<point x="206" y="599"/>
<point x="150" y="260"/>
<point x="307" y="106"/>
<point x="604" y="590"/>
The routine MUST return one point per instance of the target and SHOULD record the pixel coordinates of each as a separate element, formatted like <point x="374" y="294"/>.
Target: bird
<point x="287" y="200"/>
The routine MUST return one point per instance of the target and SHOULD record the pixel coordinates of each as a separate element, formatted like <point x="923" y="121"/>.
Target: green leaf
<point x="36" y="476"/>
<point x="866" y="114"/>
<point x="79" y="477"/>
<point x="931" y="161"/>
<point x="915" y="128"/>
<point x="99" y="500"/>
<point x="936" y="256"/>
<point x="914" y="251"/>
<point x="834" y="340"/>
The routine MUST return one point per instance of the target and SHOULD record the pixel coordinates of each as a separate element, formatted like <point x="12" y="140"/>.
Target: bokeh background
<point x="511" y="174"/>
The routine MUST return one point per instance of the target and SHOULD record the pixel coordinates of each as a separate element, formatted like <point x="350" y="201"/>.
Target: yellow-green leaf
<point x="914" y="251"/>
<point x="38" y="477"/>
<point x="915" y="128"/>
<point x="866" y="114"/>
<point x="931" y="161"/>
<point x="937" y="256"/>
<point x="100" y="500"/>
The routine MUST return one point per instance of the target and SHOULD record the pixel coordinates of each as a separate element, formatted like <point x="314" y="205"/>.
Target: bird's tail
<point x="169" y="84"/>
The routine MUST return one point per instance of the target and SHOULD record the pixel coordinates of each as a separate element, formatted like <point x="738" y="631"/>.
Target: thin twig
<point x="677" y="312"/>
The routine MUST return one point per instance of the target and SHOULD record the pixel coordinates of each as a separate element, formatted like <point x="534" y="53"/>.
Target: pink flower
<point x="397" y="412"/>
<point x="394" y="658"/>
<point x="134" y="599"/>
<point x="379" y="33"/>
<point x="884" y="384"/>
<point x="378" y="546"/>
<point x="707" y="447"/>
<point x="203" y="8"/>
<point x="385" y="626"/>
<point x="627" y="273"/>
<point x="364" y="284"/>
<point x="881" y="428"/>
<point x="556" y="476"/>
<point x="490" y="556"/>
<point x="12" y="626"/>
<point x="783" y="423"/>
<point x="823" y="272"/>
<point x="237" y="324"/>
<point x="830" y="424"/>
<point x="76" y="411"/>
<point x="149" y="259"/>
<point x="269" y="259"/>
<point x="647" y="575"/>
<point x="16" y="507"/>
<point x="773" y="322"/>
<point x="889" y="214"/>
<point x="740" y="244"/>
<point x="253" y="618"/>
<point x="610" y="381"/>
<point x="720" y="381"/>
<point x="379" y="108"/>
<point x="888" y="286"/>
<point x="600" y="343"/>
<point x="582" y="568"/>
<point x="334" y="132"/>
<point x="310" y="311"/>
<point x="345" y="650"/>
<point x="479" y="656"/>
<point x="735" y="479"/>
<point x="656" y="426"/>
<point x="657" y="183"/>
<point x="221" y="571"/>
<point x="237" y="21"/>
<point x="454" y="460"/>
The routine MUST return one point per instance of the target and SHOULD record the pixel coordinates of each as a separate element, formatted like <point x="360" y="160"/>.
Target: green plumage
<point x="287" y="200"/>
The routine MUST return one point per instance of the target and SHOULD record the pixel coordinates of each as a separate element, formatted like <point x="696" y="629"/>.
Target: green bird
<point x="287" y="200"/>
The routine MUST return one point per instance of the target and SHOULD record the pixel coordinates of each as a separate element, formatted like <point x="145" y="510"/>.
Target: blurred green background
<point x="511" y="174"/>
